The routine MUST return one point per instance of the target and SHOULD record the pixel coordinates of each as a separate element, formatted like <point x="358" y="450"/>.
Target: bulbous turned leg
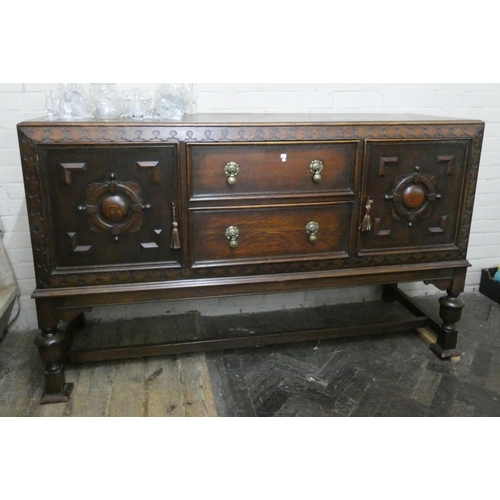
<point x="51" y="345"/>
<point x="450" y="312"/>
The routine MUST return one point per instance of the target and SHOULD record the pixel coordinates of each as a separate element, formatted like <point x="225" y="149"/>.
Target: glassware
<point x="192" y="98"/>
<point x="70" y="103"/>
<point x="136" y="104"/>
<point x="51" y="103"/>
<point x="104" y="100"/>
<point x="171" y="100"/>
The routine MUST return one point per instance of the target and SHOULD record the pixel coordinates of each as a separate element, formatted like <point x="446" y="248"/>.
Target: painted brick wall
<point x="19" y="101"/>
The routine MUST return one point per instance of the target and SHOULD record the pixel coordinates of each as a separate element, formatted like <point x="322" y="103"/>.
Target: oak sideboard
<point x="217" y="205"/>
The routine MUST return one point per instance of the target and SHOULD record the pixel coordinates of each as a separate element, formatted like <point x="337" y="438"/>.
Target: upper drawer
<point x="285" y="168"/>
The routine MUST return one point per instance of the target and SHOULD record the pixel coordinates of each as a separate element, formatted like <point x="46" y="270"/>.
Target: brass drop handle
<point x="232" y="234"/>
<point x="312" y="229"/>
<point x="232" y="169"/>
<point x="316" y="167"/>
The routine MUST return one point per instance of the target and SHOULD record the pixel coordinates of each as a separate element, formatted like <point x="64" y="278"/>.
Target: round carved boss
<point x="413" y="196"/>
<point x="114" y="207"/>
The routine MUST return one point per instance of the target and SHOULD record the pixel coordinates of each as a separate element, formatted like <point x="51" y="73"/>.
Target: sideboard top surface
<point x="264" y="119"/>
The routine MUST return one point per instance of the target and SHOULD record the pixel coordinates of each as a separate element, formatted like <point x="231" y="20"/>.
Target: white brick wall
<point x="19" y="101"/>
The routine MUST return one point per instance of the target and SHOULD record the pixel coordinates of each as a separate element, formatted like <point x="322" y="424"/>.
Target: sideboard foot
<point x="63" y="397"/>
<point x="452" y="354"/>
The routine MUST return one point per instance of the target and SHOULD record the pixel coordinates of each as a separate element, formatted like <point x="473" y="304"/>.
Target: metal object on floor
<point x="9" y="289"/>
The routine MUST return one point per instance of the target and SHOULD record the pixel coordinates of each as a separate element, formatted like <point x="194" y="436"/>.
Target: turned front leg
<point x="51" y="345"/>
<point x="450" y="312"/>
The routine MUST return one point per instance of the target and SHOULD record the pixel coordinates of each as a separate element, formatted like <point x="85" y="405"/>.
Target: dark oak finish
<point x="128" y="212"/>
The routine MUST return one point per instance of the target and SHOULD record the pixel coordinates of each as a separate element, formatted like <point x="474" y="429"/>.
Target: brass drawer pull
<point x="232" y="234"/>
<point x="231" y="169"/>
<point x="312" y="229"/>
<point x="316" y="167"/>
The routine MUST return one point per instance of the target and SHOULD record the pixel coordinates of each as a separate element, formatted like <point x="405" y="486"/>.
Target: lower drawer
<point x="225" y="236"/>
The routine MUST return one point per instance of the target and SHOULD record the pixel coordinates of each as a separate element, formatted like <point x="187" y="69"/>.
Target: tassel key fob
<point x="175" y="241"/>
<point x="367" y="221"/>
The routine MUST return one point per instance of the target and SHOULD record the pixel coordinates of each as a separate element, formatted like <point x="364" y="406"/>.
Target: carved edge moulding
<point x="95" y="134"/>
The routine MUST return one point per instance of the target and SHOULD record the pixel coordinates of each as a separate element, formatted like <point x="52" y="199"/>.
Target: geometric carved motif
<point x="69" y="168"/>
<point x="442" y="226"/>
<point x="449" y="163"/>
<point x="114" y="207"/>
<point x="153" y="245"/>
<point x="384" y="160"/>
<point x="412" y="196"/>
<point x="377" y="231"/>
<point x="153" y="168"/>
<point x="78" y="248"/>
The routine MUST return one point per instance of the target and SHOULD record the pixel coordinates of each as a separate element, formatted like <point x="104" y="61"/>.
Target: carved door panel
<point x="111" y="205"/>
<point x="413" y="192"/>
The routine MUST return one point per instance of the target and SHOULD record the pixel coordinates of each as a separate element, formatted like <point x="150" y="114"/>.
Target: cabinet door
<point x="110" y="205"/>
<point x="415" y="190"/>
